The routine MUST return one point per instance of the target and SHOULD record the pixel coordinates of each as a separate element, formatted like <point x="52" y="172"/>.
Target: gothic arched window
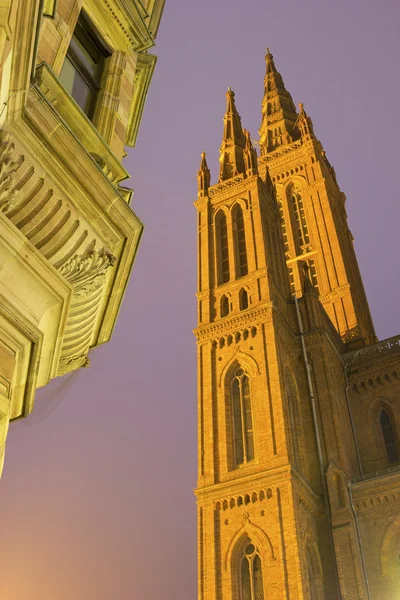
<point x="240" y="241"/>
<point x="300" y="228"/>
<point x="243" y="437"/>
<point x="222" y="248"/>
<point x="224" y="306"/>
<point x="389" y="436"/>
<point x="243" y="299"/>
<point x="251" y="578"/>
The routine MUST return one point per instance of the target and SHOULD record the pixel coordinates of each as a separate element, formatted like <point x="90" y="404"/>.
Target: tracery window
<point x="222" y="248"/>
<point x="243" y="436"/>
<point x="300" y="228"/>
<point x="240" y="241"/>
<point x="251" y="578"/>
<point x="389" y="437"/>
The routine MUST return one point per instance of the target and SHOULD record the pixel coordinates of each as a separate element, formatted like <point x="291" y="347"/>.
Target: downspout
<point x="353" y="429"/>
<point x="317" y="434"/>
<point x="364" y="566"/>
<point x="350" y="485"/>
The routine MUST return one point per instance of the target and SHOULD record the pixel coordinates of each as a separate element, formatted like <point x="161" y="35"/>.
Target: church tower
<point x="282" y="319"/>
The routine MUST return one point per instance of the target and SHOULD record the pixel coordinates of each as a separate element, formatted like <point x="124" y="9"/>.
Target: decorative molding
<point x="86" y="273"/>
<point x="387" y="346"/>
<point x="8" y="168"/>
<point x="208" y="332"/>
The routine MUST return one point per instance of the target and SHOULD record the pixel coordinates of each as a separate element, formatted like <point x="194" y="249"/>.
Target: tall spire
<point x="233" y="141"/>
<point x="305" y="125"/>
<point x="203" y="177"/>
<point x="278" y="111"/>
<point x="250" y="155"/>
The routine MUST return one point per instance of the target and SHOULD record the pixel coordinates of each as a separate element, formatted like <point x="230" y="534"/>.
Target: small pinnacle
<point x="301" y="106"/>
<point x="267" y="50"/>
<point x="229" y="89"/>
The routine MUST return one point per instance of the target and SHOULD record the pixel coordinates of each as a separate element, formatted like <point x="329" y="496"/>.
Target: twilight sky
<point x="96" y="497"/>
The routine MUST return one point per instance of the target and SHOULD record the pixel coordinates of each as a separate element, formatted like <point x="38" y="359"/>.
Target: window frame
<point x="247" y="435"/>
<point x="85" y="31"/>
<point x="385" y="409"/>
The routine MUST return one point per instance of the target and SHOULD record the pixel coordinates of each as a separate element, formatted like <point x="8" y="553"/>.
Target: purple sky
<point x="96" y="497"/>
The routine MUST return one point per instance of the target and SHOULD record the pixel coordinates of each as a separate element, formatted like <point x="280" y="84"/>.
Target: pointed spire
<point x="233" y="141"/>
<point x="305" y="125"/>
<point x="278" y="111"/>
<point x="249" y="155"/>
<point x="203" y="177"/>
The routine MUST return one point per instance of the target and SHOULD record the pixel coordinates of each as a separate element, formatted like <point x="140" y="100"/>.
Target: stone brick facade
<point x="298" y="403"/>
<point x="68" y="236"/>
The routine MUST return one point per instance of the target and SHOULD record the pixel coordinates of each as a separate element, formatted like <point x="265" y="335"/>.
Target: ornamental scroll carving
<point x="87" y="274"/>
<point x="8" y="167"/>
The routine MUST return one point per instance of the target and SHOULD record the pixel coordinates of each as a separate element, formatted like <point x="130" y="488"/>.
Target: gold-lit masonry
<point x="298" y="403"/>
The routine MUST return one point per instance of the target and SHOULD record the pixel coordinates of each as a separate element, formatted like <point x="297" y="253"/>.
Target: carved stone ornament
<point x="8" y="168"/>
<point x="87" y="272"/>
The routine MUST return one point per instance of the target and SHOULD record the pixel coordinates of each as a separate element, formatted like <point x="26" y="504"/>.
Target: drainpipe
<point x="364" y="566"/>
<point x="317" y="435"/>
<point x="349" y="485"/>
<point x="353" y="429"/>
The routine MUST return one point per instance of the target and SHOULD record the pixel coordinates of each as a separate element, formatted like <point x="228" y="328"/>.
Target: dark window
<point x="243" y="299"/>
<point x="222" y="248"/>
<point x="252" y="587"/>
<point x="83" y="65"/>
<point x="224" y="306"/>
<point x="242" y="418"/>
<point x="240" y="241"/>
<point x="389" y="437"/>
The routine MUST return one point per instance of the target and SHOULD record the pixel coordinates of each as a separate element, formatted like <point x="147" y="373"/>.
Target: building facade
<point x="298" y="403"/>
<point x="74" y="76"/>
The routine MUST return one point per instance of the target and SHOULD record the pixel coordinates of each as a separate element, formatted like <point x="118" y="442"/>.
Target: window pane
<point x="258" y="579"/>
<point x="248" y="421"/>
<point x="67" y="75"/>
<point x="237" y="420"/>
<point x="88" y="62"/>
<point x="222" y="234"/>
<point x="389" y="437"/>
<point x="76" y="85"/>
<point x="246" y="589"/>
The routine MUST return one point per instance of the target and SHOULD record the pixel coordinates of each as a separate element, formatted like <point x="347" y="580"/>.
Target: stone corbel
<point x="87" y="274"/>
<point x="8" y="168"/>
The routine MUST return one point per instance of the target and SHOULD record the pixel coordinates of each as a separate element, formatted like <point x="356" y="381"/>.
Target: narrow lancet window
<point x="243" y="300"/>
<point x="243" y="438"/>
<point x="300" y="228"/>
<point x="222" y="248"/>
<point x="251" y="578"/>
<point x="389" y="437"/>
<point x="240" y="241"/>
<point x="224" y="306"/>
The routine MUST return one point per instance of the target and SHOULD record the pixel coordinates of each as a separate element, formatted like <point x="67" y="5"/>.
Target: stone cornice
<point x="268" y="477"/>
<point x="230" y="187"/>
<point x="386" y="347"/>
<point x="145" y="65"/>
<point x="208" y="332"/>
